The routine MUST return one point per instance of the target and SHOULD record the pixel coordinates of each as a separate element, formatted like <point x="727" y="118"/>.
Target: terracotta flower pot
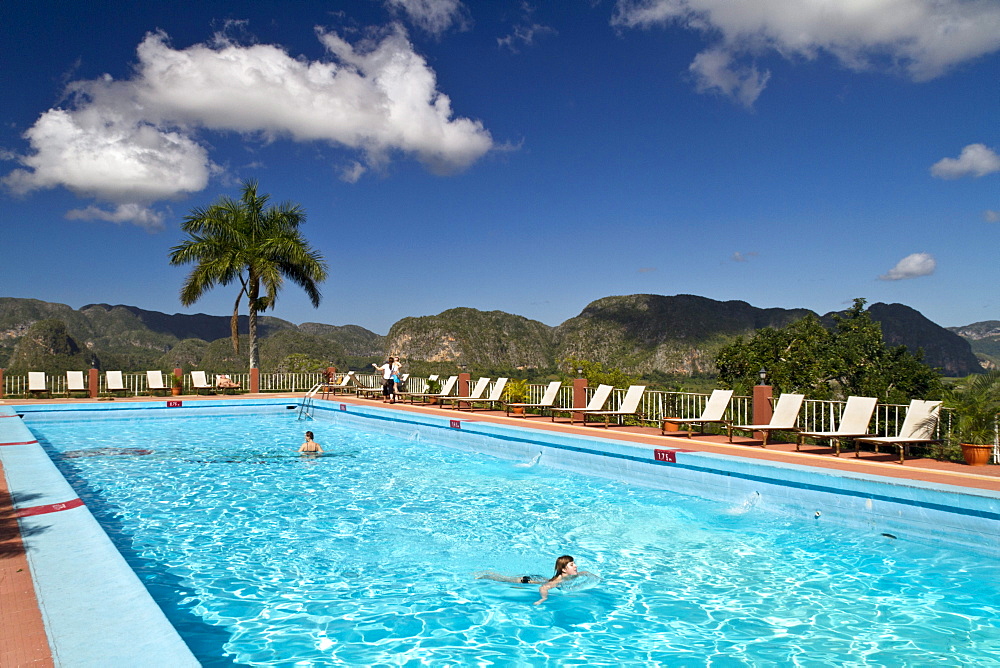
<point x="175" y="391"/>
<point x="517" y="410"/>
<point x="671" y="426"/>
<point x="976" y="455"/>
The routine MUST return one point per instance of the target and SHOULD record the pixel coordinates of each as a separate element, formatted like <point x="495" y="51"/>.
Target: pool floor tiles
<point x="23" y="640"/>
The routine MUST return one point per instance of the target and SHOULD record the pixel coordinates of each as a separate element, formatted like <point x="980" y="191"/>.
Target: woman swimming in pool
<point x="565" y="571"/>
<point x="310" y="445"/>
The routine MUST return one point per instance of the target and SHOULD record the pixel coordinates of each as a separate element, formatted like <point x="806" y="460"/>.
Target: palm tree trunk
<point x="254" y="291"/>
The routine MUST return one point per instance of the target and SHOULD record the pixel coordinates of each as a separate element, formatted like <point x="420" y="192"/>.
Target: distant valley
<point x="641" y="334"/>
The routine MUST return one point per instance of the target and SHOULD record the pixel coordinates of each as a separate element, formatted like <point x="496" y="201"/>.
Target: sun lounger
<point x="113" y="382"/>
<point x="224" y="382"/>
<point x="629" y="406"/>
<point x="715" y="410"/>
<point x="348" y="383"/>
<point x="853" y="423"/>
<point x="154" y="382"/>
<point x="477" y="392"/>
<point x="74" y="382"/>
<point x="596" y="403"/>
<point x="548" y="399"/>
<point x="495" y="397"/>
<point x="918" y="427"/>
<point x="446" y="389"/>
<point x="199" y="382"/>
<point x="36" y="383"/>
<point x="786" y="414"/>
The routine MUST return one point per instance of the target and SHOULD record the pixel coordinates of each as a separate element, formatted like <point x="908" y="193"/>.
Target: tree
<point x="850" y="358"/>
<point x="259" y="246"/>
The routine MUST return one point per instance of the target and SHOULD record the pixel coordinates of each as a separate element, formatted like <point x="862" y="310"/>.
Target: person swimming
<point x="310" y="445"/>
<point x="565" y="572"/>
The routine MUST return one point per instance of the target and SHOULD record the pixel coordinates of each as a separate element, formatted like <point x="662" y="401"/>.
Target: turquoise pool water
<point x="366" y="555"/>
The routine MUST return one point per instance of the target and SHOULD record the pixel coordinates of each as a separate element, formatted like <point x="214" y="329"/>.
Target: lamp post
<point x="579" y="372"/>
<point x="763" y="376"/>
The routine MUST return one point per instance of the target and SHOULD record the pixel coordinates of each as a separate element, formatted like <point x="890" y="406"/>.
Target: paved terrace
<point x="22" y="634"/>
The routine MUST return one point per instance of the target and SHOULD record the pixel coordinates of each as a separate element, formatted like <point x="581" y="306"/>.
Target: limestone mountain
<point x="943" y="348"/>
<point x="492" y="339"/>
<point x="984" y="337"/>
<point x="47" y="346"/>
<point x="676" y="335"/>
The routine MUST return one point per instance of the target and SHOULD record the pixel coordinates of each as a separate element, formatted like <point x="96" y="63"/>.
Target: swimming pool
<point x="367" y="554"/>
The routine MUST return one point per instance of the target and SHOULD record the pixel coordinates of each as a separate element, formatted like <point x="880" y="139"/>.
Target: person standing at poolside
<point x="390" y="376"/>
<point x="310" y="445"/>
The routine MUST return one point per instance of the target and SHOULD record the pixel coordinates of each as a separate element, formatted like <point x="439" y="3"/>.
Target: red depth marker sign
<point x="456" y="424"/>
<point x="174" y="404"/>
<point x="665" y="456"/>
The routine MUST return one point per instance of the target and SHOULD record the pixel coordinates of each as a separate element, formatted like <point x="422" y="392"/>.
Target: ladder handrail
<point x="305" y="408"/>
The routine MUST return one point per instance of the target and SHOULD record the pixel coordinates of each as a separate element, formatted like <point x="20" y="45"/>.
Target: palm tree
<point x="248" y="241"/>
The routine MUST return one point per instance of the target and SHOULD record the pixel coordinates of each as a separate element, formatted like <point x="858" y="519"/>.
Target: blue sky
<point x="524" y="157"/>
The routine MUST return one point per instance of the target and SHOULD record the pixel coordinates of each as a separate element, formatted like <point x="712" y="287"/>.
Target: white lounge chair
<point x="715" y="411"/>
<point x="477" y="392"/>
<point x="154" y="382"/>
<point x="224" y="382"/>
<point x="495" y="396"/>
<point x="918" y="427"/>
<point x="629" y="406"/>
<point x="200" y="382"/>
<point x="74" y="382"/>
<point x="113" y="382"/>
<point x="853" y="423"/>
<point x="786" y="415"/>
<point x="446" y="389"/>
<point x="548" y="399"/>
<point x="596" y="403"/>
<point x="346" y="384"/>
<point x="37" y="383"/>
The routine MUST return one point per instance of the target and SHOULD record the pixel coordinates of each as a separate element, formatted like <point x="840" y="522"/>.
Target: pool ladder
<point x="307" y="405"/>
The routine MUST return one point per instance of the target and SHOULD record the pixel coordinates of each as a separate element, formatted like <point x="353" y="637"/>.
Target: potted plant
<point x="517" y="392"/>
<point x="177" y="384"/>
<point x="975" y="402"/>
<point x="433" y="387"/>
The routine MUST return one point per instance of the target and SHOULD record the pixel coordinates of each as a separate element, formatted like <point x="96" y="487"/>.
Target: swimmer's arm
<point x="543" y="591"/>
<point x="302" y="448"/>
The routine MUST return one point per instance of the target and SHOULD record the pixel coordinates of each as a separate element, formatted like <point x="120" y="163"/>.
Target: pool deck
<point x="23" y="640"/>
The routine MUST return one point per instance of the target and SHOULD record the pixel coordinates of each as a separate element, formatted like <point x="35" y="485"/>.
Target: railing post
<point x="254" y="380"/>
<point x="579" y="396"/>
<point x="762" y="407"/>
<point x="93" y="381"/>
<point x="1" y="383"/>
<point x="463" y="384"/>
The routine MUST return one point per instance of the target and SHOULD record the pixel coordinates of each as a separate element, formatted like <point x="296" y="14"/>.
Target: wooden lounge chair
<point x="199" y="382"/>
<point x="74" y="383"/>
<point x="918" y="427"/>
<point x="113" y="382"/>
<point x="548" y="399"/>
<point x="715" y="410"/>
<point x="853" y="423"/>
<point x="786" y="414"/>
<point x="596" y="403"/>
<point x="348" y="383"/>
<point x="475" y="393"/>
<point x="154" y="383"/>
<point x="494" y="397"/>
<point x="446" y="389"/>
<point x="37" y="383"/>
<point x="629" y="406"/>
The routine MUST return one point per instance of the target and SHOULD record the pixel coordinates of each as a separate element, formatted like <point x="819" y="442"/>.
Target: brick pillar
<point x="463" y="384"/>
<point x="762" y="407"/>
<point x="254" y="380"/>
<point x="93" y="383"/>
<point x="579" y="396"/>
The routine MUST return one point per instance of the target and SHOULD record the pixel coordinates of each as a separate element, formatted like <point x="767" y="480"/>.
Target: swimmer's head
<point x="309" y="435"/>
<point x="565" y="565"/>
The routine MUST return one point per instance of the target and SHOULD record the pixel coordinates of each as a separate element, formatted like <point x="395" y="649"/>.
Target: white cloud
<point x="523" y="35"/>
<point x="911" y="266"/>
<point x="353" y="172"/>
<point x="976" y="160"/>
<point x="714" y="71"/>
<point x="743" y="257"/>
<point x="123" y="213"/>
<point x="991" y="216"/>
<point x="434" y="16"/>
<point x="923" y="38"/>
<point x="133" y="142"/>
